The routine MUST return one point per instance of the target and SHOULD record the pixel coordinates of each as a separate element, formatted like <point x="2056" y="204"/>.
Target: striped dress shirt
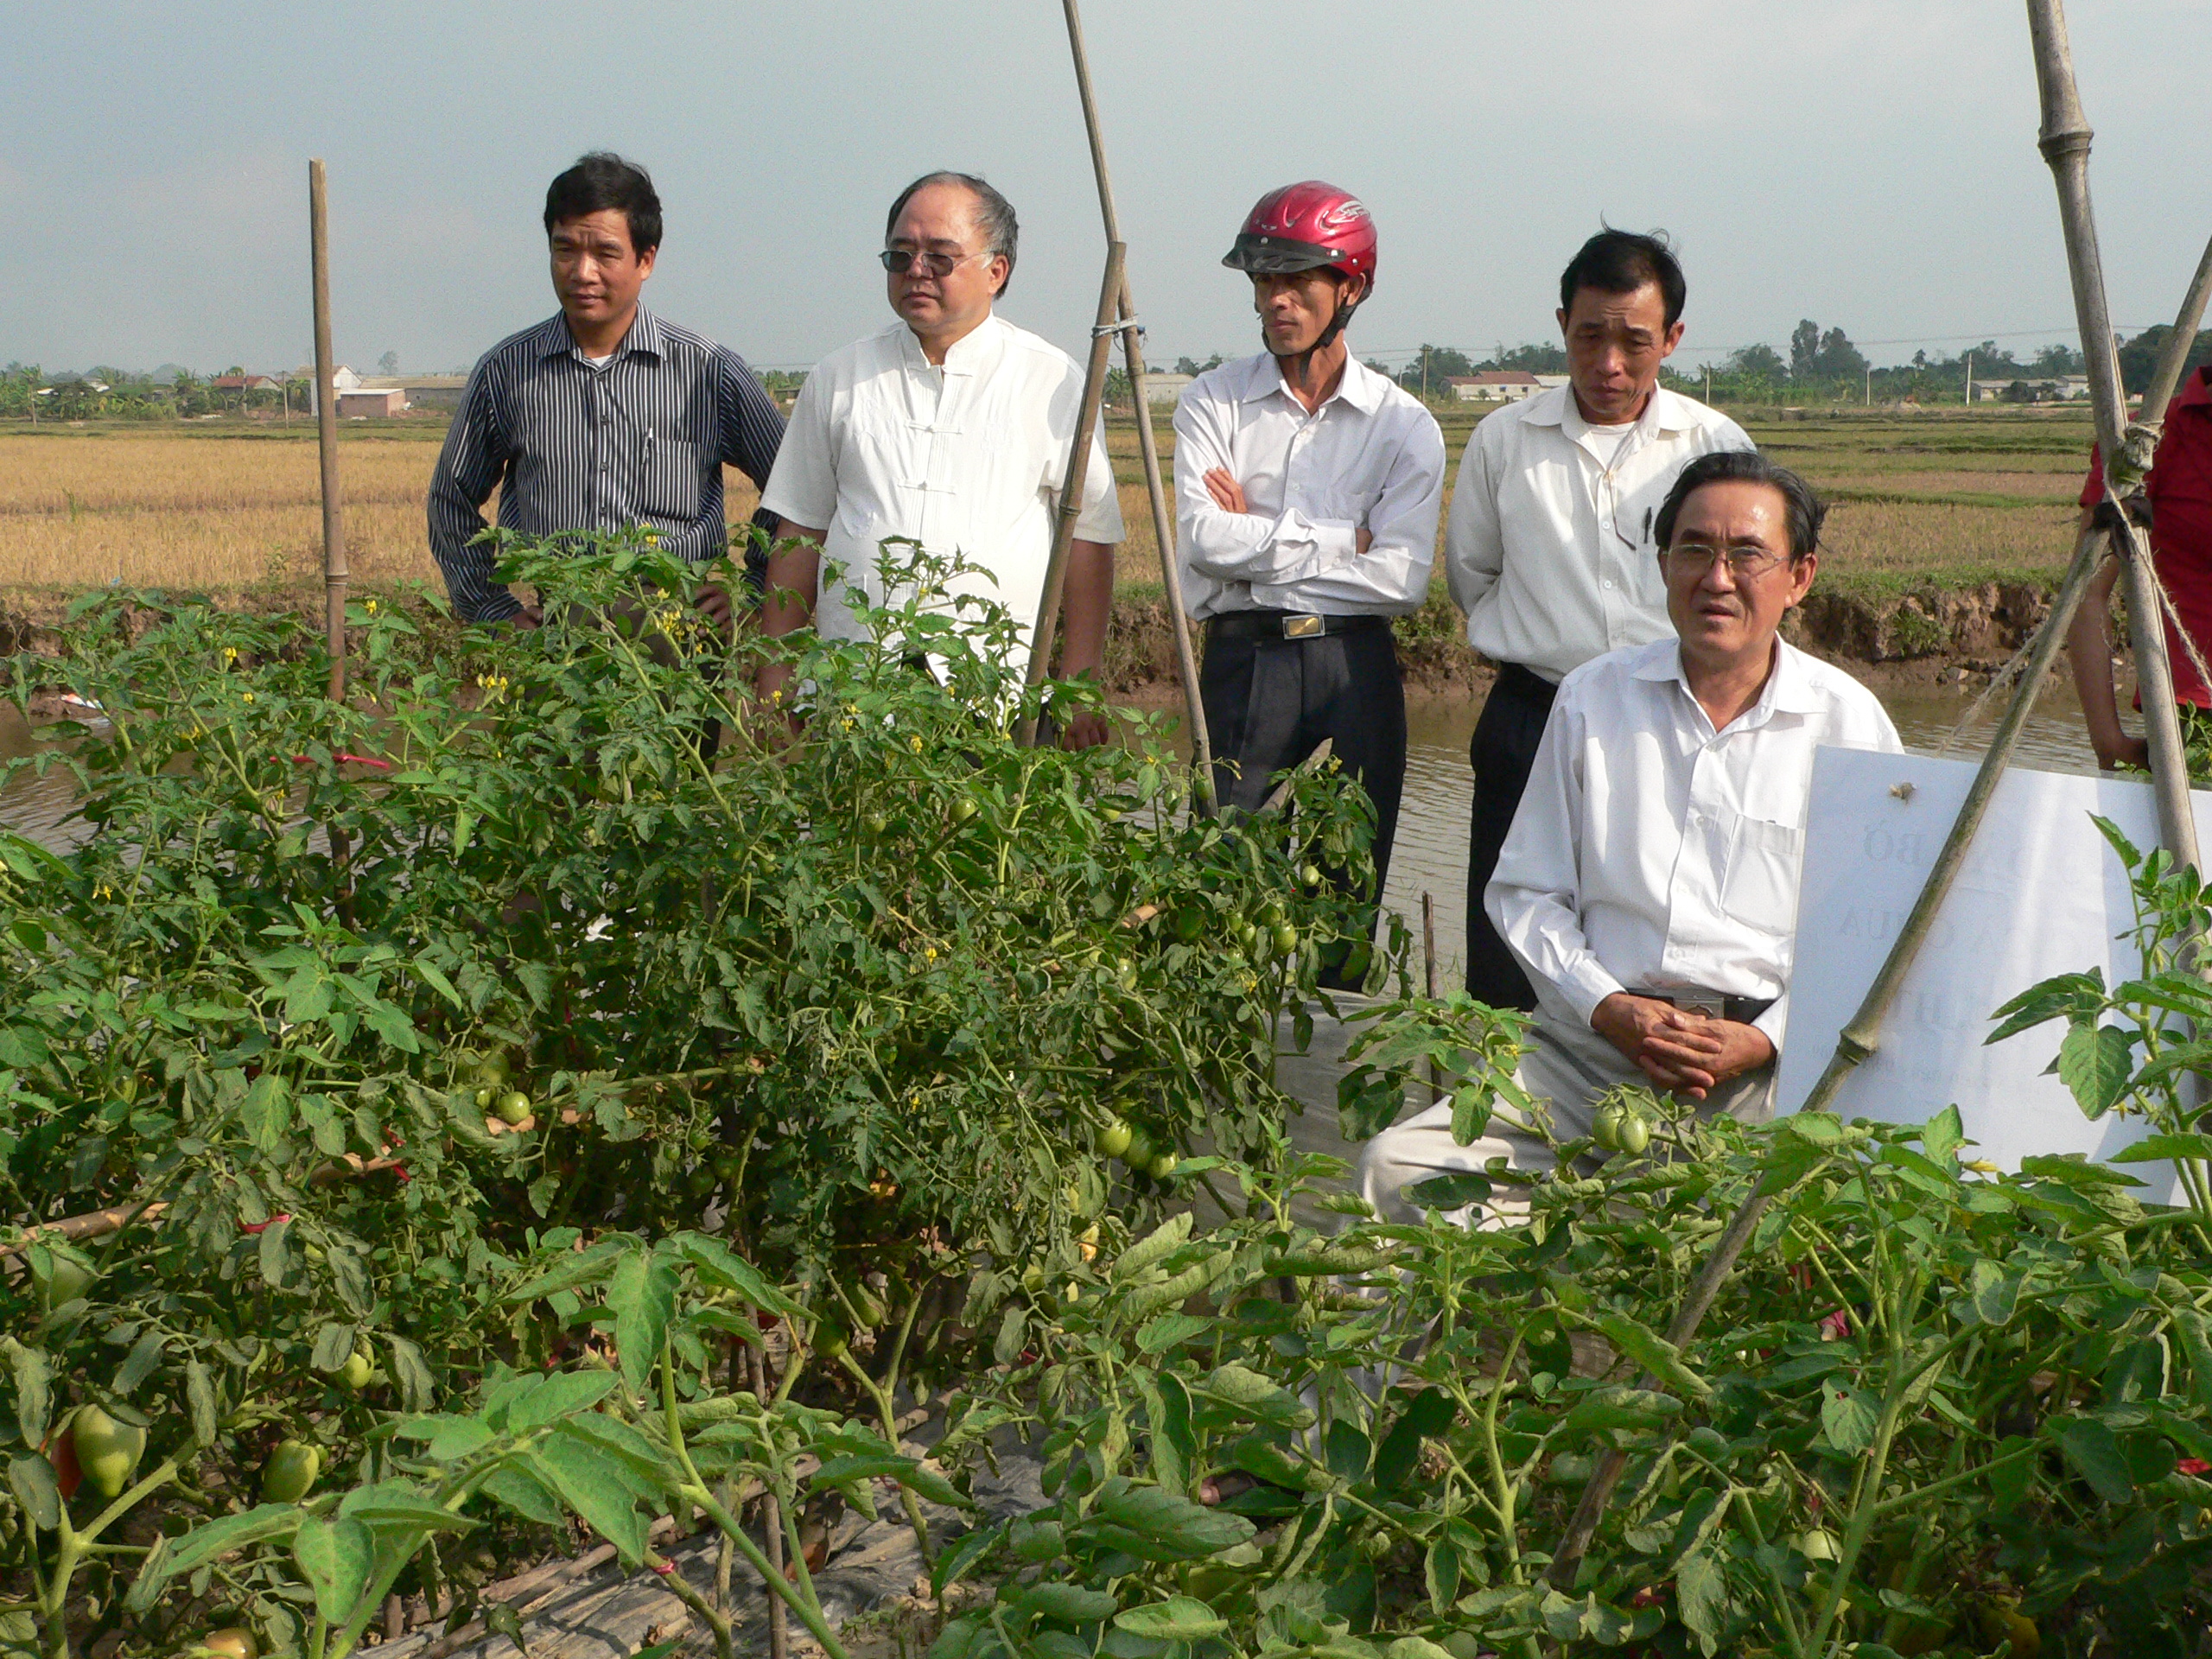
<point x="572" y="447"/>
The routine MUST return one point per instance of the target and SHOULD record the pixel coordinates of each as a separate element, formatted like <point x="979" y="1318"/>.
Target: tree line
<point x="104" y="392"/>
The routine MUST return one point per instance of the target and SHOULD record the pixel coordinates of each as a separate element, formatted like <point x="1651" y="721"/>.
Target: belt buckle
<point x="1301" y="627"/>
<point x="1712" y="1007"/>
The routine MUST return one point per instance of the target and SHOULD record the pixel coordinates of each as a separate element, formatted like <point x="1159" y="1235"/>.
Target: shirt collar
<point x="1788" y="690"/>
<point x="1667" y="412"/>
<point x="1360" y="385"/>
<point x="645" y="338"/>
<point x="961" y="356"/>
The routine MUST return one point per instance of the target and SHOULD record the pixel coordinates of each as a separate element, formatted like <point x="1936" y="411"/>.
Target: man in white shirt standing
<point x="1649" y="884"/>
<point x="1549" y="548"/>
<point x="951" y="427"/>
<point x="1307" y="488"/>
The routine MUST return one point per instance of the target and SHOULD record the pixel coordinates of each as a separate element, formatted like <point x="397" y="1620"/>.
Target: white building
<point x="1495" y="386"/>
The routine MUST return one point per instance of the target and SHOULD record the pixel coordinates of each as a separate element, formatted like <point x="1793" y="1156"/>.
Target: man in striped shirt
<point x="603" y="416"/>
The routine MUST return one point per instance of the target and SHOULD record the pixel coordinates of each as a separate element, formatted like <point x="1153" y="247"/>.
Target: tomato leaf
<point x="1848" y="1418"/>
<point x="592" y="1485"/>
<point x="1179" y="1618"/>
<point x="2097" y="1062"/>
<point x="2093" y="1450"/>
<point x="196" y="1548"/>
<point x="641" y="1292"/>
<point x="335" y="1557"/>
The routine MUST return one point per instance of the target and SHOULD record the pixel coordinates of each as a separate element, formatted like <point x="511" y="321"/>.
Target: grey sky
<point x="1868" y="163"/>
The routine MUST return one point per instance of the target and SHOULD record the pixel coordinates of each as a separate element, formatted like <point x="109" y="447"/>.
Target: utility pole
<point x="1424" y="374"/>
<point x="1869" y="385"/>
<point x="1969" y="399"/>
<point x="1708" y="380"/>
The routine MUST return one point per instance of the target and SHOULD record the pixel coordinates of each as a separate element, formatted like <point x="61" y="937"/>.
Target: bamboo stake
<point x="1428" y="979"/>
<point x="1163" y="524"/>
<point x="333" y="535"/>
<point x="1073" y="483"/>
<point x="1862" y="1036"/>
<point x="2064" y="140"/>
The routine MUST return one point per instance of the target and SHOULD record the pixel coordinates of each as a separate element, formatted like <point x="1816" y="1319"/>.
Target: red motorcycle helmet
<point x="1307" y="228"/>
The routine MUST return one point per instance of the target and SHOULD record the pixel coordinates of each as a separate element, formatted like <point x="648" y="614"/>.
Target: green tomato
<point x="1113" y="1140"/>
<point x="1635" y="1134"/>
<point x="1310" y="874"/>
<point x="491" y="1069"/>
<point x="290" y="1474"/>
<point x="236" y="1643"/>
<point x="484" y="1099"/>
<point x="1270" y="913"/>
<point x="962" y="809"/>
<point x="829" y="1340"/>
<point x="1140" y="1150"/>
<point x="107" y="1451"/>
<point x="1605" y="1127"/>
<point x="1160" y="1165"/>
<point x="1286" y="939"/>
<point x="877" y="823"/>
<point x="1126" y="975"/>
<point x="514" y="1108"/>
<point x="1248" y="934"/>
<point x="356" y="1370"/>
<point x="69" y="1280"/>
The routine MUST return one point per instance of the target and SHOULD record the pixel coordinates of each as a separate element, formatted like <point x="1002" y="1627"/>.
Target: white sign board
<point x="2040" y="893"/>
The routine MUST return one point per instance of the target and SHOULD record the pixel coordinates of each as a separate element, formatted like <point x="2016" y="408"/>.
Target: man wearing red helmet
<point x="1307" y="490"/>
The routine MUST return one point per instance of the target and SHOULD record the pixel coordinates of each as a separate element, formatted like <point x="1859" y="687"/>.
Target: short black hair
<point x="1803" y="511"/>
<point x="602" y="180"/>
<point x="1620" y="262"/>
<point x="994" y="215"/>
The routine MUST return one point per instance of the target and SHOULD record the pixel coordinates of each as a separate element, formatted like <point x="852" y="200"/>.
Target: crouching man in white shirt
<point x="951" y="428"/>
<point x="1648" y="884"/>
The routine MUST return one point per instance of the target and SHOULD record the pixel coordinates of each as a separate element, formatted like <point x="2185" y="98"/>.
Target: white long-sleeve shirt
<point x="1549" y="550"/>
<point x="968" y="457"/>
<point x="1370" y="457"/>
<point x="1653" y="853"/>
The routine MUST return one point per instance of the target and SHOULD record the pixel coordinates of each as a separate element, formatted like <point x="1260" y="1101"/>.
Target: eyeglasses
<point x="899" y="261"/>
<point x="1745" y="564"/>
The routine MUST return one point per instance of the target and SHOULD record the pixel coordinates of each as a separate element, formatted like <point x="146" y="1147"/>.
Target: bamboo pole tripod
<point x="1117" y="316"/>
<point x="2064" y="140"/>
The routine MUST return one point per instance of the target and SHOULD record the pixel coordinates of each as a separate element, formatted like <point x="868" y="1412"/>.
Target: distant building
<point x="1494" y="386"/>
<point x="245" y="383"/>
<point x="2048" y="388"/>
<point x="370" y="401"/>
<point x="1166" y="389"/>
<point x="422" y="390"/>
<point x="1547" y="381"/>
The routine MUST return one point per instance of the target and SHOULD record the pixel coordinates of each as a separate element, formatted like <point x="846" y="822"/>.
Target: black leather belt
<point x="1741" y="1009"/>
<point x="1287" y="625"/>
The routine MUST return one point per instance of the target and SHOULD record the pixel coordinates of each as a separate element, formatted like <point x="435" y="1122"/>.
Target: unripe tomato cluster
<point x="1620" y="1127"/>
<point x="1135" y="1147"/>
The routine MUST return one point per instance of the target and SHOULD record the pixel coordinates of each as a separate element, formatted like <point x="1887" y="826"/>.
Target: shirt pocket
<point x="672" y="487"/>
<point x="1760" y="888"/>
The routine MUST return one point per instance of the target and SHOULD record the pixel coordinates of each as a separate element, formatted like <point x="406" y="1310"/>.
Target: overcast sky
<point x="1868" y="163"/>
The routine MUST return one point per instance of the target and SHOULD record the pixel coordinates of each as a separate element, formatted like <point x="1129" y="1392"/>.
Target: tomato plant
<point x="330" y="1014"/>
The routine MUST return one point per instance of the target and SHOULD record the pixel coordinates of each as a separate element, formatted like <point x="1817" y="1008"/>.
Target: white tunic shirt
<point x="1549" y="550"/>
<point x="1370" y="457"/>
<point x="964" y="458"/>
<point x="1652" y="853"/>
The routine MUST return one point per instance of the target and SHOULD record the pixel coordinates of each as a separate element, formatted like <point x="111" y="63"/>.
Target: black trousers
<point x="1504" y="748"/>
<point x="1270" y="702"/>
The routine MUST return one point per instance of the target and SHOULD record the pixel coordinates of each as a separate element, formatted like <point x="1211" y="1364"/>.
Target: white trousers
<point x="1565" y="1066"/>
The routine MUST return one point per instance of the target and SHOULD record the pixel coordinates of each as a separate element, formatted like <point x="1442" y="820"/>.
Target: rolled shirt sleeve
<point x="470" y="465"/>
<point x="802" y="486"/>
<point x="1101" y="517"/>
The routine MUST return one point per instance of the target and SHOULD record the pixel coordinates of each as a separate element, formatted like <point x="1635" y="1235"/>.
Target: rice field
<point x="1954" y="496"/>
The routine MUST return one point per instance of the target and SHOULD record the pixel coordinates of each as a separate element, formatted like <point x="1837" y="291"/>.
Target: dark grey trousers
<point x="1270" y="702"/>
<point x="1501" y="751"/>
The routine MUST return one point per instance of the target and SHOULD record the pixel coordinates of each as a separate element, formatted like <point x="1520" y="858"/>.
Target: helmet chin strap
<point x="1296" y="361"/>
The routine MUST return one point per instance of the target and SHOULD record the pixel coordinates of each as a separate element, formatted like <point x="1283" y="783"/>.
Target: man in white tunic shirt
<point x="951" y="428"/>
<point x="1549" y="548"/>
<point x="1307" y="488"/>
<point x="1649" y="883"/>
